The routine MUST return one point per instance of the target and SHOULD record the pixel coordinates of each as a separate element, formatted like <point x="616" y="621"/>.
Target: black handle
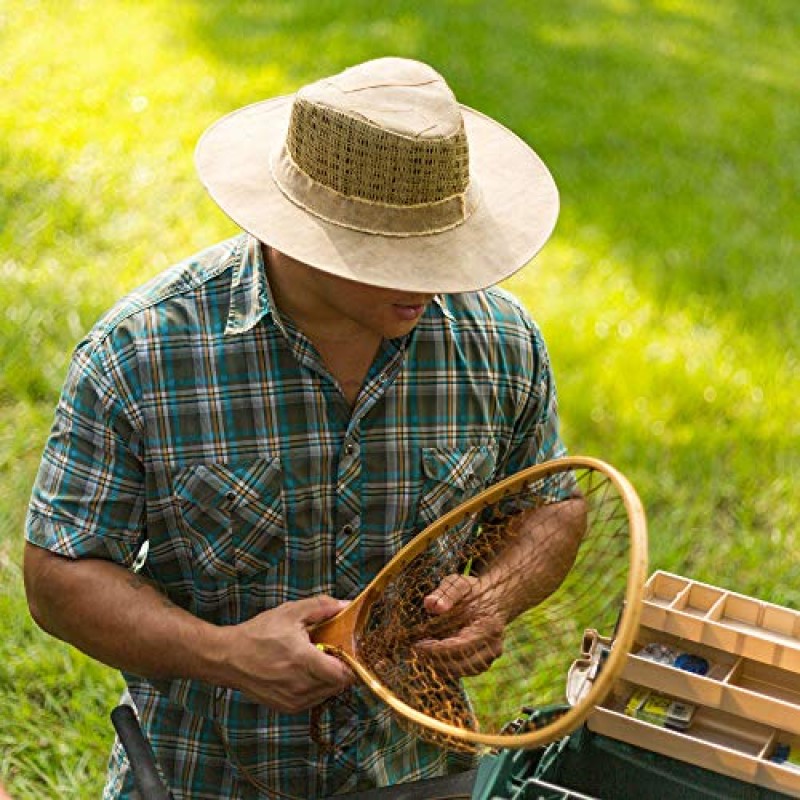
<point x="140" y="755"/>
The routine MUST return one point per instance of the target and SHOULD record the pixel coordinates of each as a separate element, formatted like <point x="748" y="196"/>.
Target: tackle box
<point x="744" y="696"/>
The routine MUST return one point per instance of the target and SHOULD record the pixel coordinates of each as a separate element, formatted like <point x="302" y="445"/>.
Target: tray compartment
<point x="784" y="777"/>
<point x="663" y="588"/>
<point x="698" y="599"/>
<point x="703" y="689"/>
<point x="716" y="740"/>
<point x="727" y="621"/>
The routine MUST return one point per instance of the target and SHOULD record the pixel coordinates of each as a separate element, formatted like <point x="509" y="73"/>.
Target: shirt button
<point x="347" y="530"/>
<point x="349" y="448"/>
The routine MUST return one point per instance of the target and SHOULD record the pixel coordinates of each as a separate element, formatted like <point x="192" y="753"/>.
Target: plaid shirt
<point x="196" y="419"/>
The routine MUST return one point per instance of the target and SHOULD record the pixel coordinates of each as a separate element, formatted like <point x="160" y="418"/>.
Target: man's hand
<point x="272" y="660"/>
<point x="473" y="611"/>
<point x="475" y="636"/>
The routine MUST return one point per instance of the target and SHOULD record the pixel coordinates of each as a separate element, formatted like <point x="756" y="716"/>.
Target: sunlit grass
<point x="669" y="295"/>
<point x="698" y="411"/>
<point x="55" y="736"/>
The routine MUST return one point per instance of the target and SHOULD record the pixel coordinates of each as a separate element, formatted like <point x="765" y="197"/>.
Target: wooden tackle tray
<point x="747" y="703"/>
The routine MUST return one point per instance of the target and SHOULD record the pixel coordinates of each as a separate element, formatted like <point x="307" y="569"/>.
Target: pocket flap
<point x="461" y="467"/>
<point x="217" y="486"/>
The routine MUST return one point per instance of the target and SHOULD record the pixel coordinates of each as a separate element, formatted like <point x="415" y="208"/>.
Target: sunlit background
<point x="669" y="294"/>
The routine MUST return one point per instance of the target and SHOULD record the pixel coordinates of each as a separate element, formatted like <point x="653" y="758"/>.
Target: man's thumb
<point x="316" y="609"/>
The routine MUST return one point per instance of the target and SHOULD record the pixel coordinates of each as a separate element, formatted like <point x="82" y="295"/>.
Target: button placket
<point x="349" y="464"/>
<point x="348" y="517"/>
<point x="348" y="569"/>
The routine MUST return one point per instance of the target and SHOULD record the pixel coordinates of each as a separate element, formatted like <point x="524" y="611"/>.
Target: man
<point x="275" y="417"/>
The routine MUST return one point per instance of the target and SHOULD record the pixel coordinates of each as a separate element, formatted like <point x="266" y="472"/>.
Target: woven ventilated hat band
<point x="355" y="173"/>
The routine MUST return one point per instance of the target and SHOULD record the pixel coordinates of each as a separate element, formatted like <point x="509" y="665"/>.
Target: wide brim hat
<point x="378" y="175"/>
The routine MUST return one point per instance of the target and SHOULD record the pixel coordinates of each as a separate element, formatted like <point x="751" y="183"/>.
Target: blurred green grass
<point x="669" y="294"/>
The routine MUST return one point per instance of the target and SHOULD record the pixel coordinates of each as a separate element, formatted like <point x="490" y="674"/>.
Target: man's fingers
<point x="450" y="591"/>
<point x="314" y="679"/>
<point x="312" y="610"/>
<point x="461" y="659"/>
<point x="328" y="670"/>
<point x="468" y="651"/>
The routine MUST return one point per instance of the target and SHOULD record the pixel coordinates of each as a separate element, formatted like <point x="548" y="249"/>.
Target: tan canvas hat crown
<point x="378" y="175"/>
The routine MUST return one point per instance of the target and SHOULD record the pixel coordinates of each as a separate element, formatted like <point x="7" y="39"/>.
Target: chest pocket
<point x="233" y="515"/>
<point x="453" y="475"/>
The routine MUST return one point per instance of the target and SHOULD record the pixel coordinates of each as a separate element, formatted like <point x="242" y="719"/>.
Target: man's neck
<point x="346" y="348"/>
<point x="294" y="290"/>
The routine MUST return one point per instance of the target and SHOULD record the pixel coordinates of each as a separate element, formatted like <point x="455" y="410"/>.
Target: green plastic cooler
<point x="588" y="765"/>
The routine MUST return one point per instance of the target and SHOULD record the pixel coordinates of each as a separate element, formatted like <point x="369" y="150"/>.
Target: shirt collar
<point x="251" y="299"/>
<point x="440" y="303"/>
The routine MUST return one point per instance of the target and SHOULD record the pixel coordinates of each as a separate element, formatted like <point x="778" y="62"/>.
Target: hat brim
<point x="517" y="211"/>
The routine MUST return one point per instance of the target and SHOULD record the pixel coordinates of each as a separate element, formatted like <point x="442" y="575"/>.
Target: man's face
<point x="387" y="312"/>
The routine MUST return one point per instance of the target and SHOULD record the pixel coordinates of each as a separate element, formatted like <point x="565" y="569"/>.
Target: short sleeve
<point x="536" y="436"/>
<point x="88" y="498"/>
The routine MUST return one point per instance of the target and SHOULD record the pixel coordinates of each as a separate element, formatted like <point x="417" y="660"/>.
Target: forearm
<point x="539" y="555"/>
<point x="119" y="618"/>
<point x="122" y="620"/>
